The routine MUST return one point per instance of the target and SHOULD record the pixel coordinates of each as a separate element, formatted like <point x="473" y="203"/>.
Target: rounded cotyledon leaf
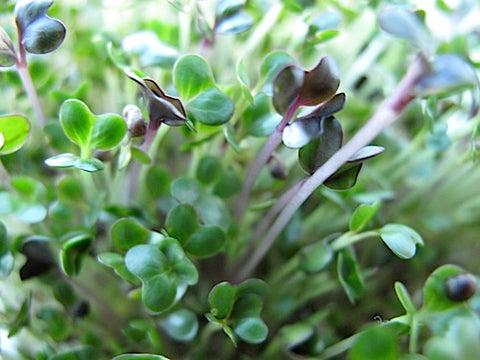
<point x="14" y="130"/>
<point x="40" y="34"/>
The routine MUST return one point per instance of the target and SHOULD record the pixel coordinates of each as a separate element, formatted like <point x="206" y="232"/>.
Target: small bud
<point x="277" y="167"/>
<point x="136" y="123"/>
<point x="461" y="287"/>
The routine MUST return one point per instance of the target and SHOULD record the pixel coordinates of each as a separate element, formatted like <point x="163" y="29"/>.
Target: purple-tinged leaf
<point x="345" y="177"/>
<point x="161" y="107"/>
<point x="301" y="132"/>
<point x="329" y="107"/>
<point x="315" y="154"/>
<point x="287" y="87"/>
<point x="321" y="83"/>
<point x="40" y="34"/>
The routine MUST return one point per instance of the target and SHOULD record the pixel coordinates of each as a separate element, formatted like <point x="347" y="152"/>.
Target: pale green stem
<point x="351" y="238"/>
<point x="388" y="112"/>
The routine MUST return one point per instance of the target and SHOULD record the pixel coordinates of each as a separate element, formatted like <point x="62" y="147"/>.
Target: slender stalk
<point x="4" y="176"/>
<point x="387" y="113"/>
<point x="272" y="143"/>
<point x="26" y="78"/>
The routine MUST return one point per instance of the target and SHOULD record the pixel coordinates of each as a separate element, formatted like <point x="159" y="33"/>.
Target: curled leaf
<point x="161" y="107"/>
<point x="320" y="83"/>
<point x="40" y="34"/>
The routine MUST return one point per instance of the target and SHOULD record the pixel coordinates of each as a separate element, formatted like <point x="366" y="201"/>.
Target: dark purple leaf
<point x="345" y="177"/>
<point x="287" y="87"/>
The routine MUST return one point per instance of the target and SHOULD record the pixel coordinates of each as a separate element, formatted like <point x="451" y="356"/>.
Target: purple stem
<point x="272" y="143"/>
<point x="386" y="114"/>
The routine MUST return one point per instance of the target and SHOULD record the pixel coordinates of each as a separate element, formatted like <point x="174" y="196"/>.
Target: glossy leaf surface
<point x="401" y="239"/>
<point x="40" y="34"/>
<point x="15" y="130"/>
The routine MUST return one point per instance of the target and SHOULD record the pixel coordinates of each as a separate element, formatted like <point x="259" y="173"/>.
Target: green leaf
<point x="70" y="189"/>
<point x="273" y="63"/>
<point x="73" y="251"/>
<point x="286" y="88"/>
<point x="22" y="318"/>
<point x="192" y="75"/>
<point x="6" y="257"/>
<point x="62" y="160"/>
<point x="15" y="130"/>
<point x="404" y="298"/>
<point x="296" y="334"/>
<point x="7" y="51"/>
<point x="40" y="34"/>
<point x="366" y="152"/>
<point x="320" y="83"/>
<point x="349" y="276"/>
<point x="251" y="330"/>
<point x="186" y="190"/>
<point x="435" y="296"/>
<point x="56" y="324"/>
<point x="362" y="215"/>
<point x="228" y="184"/>
<point x="145" y="261"/>
<point x="406" y="25"/>
<point x="181" y="222"/>
<point x="213" y="211"/>
<point x="206" y="241"/>
<point x="315" y="257"/>
<point x="449" y="73"/>
<point x="315" y="154"/>
<point x="140" y="357"/>
<point x="39" y="258"/>
<point x="258" y="119"/>
<point x="376" y="343"/>
<point x="401" y="239"/>
<point x="108" y="130"/>
<point x="126" y="233"/>
<point x="159" y="292"/>
<point x="89" y="165"/>
<point x="221" y="299"/>
<point x="77" y="122"/>
<point x="208" y="169"/>
<point x="243" y="80"/>
<point x="117" y="263"/>
<point x="345" y="177"/>
<point x="181" y="325"/>
<point x="246" y="306"/>
<point x="158" y="181"/>
<point x="211" y="107"/>
<point x="150" y="49"/>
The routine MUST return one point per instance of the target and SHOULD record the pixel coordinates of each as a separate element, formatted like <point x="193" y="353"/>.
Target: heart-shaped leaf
<point x="406" y="25"/>
<point x="316" y="153"/>
<point x="435" y="296"/>
<point x="449" y="73"/>
<point x="40" y="34"/>
<point x="401" y="239"/>
<point x="89" y="131"/>
<point x="7" y="51"/>
<point x="320" y="83"/>
<point x="159" y="292"/>
<point x="14" y="130"/>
